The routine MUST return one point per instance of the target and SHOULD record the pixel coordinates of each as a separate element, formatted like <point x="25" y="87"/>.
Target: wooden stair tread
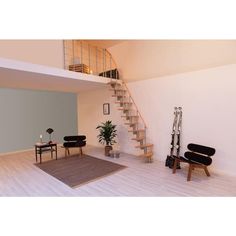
<point x="148" y="155"/>
<point x="144" y="145"/>
<point x="118" y="89"/>
<point x="114" y="83"/>
<point x="138" y="139"/>
<point x="118" y="102"/>
<point x="133" y="123"/>
<point x="118" y="95"/>
<point x="123" y="108"/>
<point x="130" y="116"/>
<point x="137" y="130"/>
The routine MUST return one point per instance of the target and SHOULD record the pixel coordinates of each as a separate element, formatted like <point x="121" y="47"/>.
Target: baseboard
<point x="21" y="151"/>
<point x="16" y="152"/>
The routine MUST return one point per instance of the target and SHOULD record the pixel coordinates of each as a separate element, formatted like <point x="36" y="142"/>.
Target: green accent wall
<point x="25" y="114"/>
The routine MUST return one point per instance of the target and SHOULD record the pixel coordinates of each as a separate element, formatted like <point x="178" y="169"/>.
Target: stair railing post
<point x="145" y="141"/>
<point x="73" y="53"/>
<point x="116" y="73"/>
<point x="103" y="73"/>
<point x="97" y="61"/>
<point x="110" y="67"/>
<point x="64" y="53"/>
<point x="105" y="61"/>
<point x="89" y="57"/>
<point x="81" y="53"/>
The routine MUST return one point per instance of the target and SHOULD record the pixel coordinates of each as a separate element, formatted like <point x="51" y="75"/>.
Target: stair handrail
<point x="145" y="126"/>
<point x="130" y="95"/>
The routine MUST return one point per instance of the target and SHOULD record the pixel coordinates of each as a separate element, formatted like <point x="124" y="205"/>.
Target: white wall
<point x="208" y="99"/>
<point x="45" y="52"/>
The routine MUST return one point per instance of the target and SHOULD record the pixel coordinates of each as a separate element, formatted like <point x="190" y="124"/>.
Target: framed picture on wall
<point x="106" y="109"/>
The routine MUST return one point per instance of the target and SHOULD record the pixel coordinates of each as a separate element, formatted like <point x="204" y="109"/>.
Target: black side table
<point x="45" y="147"/>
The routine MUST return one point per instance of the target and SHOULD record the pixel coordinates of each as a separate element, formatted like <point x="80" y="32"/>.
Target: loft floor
<point x="19" y="177"/>
<point x="24" y="75"/>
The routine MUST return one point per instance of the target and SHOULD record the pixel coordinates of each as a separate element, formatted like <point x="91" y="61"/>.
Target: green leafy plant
<point x="107" y="133"/>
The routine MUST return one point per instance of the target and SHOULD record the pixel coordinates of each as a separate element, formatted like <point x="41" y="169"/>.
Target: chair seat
<point x="183" y="159"/>
<point x="198" y="158"/>
<point x="74" y="144"/>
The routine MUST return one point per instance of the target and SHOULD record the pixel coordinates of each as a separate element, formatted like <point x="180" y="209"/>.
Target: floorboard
<point x="20" y="177"/>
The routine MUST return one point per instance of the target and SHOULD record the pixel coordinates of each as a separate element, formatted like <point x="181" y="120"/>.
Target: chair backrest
<point x="209" y="151"/>
<point x="75" y="138"/>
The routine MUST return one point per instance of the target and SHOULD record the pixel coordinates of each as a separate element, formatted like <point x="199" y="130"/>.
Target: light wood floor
<point x="20" y="177"/>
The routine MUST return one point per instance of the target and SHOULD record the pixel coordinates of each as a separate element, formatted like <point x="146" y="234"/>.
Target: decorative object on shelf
<point x="106" y="109"/>
<point x="107" y="134"/>
<point x="50" y="131"/>
<point x="82" y="68"/>
<point x="40" y="138"/>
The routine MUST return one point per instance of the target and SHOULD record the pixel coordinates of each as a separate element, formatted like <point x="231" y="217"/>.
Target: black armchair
<point x="198" y="157"/>
<point x="76" y="141"/>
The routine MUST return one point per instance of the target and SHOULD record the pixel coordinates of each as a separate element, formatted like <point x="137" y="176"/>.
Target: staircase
<point x="82" y="57"/>
<point x="132" y="117"/>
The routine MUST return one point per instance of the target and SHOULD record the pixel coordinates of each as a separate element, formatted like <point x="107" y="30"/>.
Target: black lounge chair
<point x="76" y="141"/>
<point x="198" y="157"/>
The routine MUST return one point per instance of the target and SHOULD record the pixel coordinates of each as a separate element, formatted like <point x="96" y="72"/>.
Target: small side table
<point x="44" y="147"/>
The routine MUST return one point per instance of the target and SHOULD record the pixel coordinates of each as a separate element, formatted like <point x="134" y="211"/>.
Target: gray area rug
<point x="76" y="170"/>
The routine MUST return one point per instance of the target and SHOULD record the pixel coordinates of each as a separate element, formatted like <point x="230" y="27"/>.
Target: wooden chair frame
<point x="67" y="151"/>
<point x="192" y="165"/>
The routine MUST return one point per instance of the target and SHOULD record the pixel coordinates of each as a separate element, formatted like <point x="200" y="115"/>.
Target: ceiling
<point x="102" y="43"/>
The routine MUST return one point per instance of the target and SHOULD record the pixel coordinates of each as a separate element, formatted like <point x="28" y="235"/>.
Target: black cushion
<point x="74" y="144"/>
<point x="201" y="149"/>
<point x="75" y="138"/>
<point x="195" y="157"/>
<point x="75" y="141"/>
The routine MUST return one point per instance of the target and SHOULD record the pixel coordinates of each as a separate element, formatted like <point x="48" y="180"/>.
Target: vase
<point x="107" y="150"/>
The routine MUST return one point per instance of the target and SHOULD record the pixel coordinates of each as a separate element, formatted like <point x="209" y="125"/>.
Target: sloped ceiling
<point x="145" y="59"/>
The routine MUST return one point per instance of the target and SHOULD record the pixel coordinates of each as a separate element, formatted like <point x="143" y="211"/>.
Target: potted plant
<point x="107" y="134"/>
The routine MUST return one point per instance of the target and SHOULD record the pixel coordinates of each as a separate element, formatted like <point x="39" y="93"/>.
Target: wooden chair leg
<point x="81" y="151"/>
<point x="206" y="171"/>
<point x="68" y="150"/>
<point x="175" y="166"/>
<point x="189" y="172"/>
